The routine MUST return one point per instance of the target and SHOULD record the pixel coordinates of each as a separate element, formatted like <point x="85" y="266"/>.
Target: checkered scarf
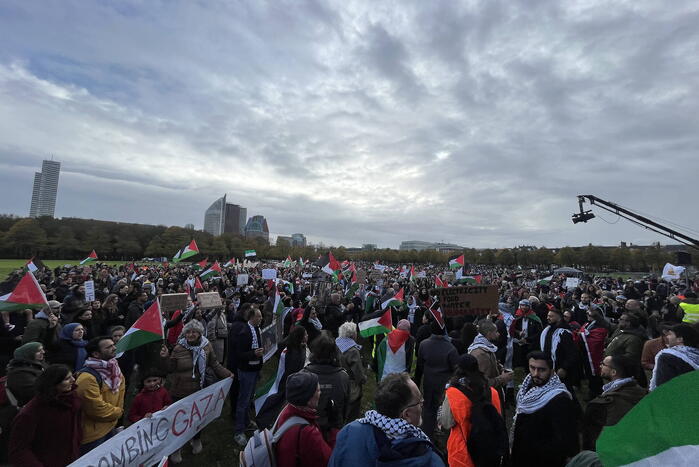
<point x="394" y="428"/>
<point x="531" y="398"/>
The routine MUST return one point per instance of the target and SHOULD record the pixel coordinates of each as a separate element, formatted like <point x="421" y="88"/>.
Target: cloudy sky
<point x="472" y="122"/>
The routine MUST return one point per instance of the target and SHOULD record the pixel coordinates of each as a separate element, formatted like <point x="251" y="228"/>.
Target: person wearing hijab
<point x="27" y="364"/>
<point x="187" y="364"/>
<point x="71" y="349"/>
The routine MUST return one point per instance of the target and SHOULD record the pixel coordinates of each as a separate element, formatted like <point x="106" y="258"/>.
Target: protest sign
<point x="209" y="300"/>
<point x="361" y="277"/>
<point x="421" y="275"/>
<point x="307" y="275"/>
<point x="268" y="274"/>
<point x="89" y="291"/>
<point x="147" y="441"/>
<point x="468" y="300"/>
<point x="268" y="336"/>
<point x="572" y="282"/>
<point x="170" y="302"/>
<point x="242" y="280"/>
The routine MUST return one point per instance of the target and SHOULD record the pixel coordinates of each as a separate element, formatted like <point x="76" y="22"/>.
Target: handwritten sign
<point x="173" y="301"/>
<point x="476" y="300"/>
<point x="268" y="274"/>
<point x="209" y="300"/>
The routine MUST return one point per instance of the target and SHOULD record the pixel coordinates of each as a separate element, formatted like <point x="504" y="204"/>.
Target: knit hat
<point x="404" y="324"/>
<point x="300" y="387"/>
<point x="524" y="302"/>
<point x="27" y="351"/>
<point x="468" y="362"/>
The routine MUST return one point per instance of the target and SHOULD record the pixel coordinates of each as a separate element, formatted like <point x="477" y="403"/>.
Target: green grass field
<point x="9" y="265"/>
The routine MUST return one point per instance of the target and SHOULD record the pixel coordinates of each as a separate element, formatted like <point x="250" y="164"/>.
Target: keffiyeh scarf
<point x="531" y="398"/>
<point x="316" y="323"/>
<point x="393" y="428"/>
<point x="555" y="340"/>
<point x="612" y="385"/>
<point x="480" y="342"/>
<point x="109" y="371"/>
<point x="346" y="343"/>
<point x="690" y="355"/>
<point x="255" y="344"/>
<point x="198" y="357"/>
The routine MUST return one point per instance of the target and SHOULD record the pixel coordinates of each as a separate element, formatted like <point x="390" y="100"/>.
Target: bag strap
<point x="291" y="421"/>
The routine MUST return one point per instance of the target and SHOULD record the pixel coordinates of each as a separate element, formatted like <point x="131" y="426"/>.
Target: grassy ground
<point x="9" y="265"/>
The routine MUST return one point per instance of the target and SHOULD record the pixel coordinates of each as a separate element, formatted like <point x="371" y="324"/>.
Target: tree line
<point x="73" y="238"/>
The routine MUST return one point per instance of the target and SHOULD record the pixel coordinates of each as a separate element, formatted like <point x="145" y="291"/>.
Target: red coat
<point x="313" y="450"/>
<point x="47" y="432"/>
<point x="148" y="402"/>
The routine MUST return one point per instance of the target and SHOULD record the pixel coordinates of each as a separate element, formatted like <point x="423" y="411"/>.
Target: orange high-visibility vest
<point x="458" y="437"/>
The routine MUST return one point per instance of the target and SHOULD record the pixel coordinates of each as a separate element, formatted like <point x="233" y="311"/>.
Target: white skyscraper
<point x="45" y="189"/>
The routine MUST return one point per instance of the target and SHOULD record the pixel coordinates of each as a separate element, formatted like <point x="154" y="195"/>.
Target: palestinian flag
<point x="213" y="271"/>
<point x="545" y="280"/>
<point x="201" y="264"/>
<point x="91" y="258"/>
<point x="197" y="284"/>
<point x="271" y="387"/>
<point x="148" y="328"/>
<point x="661" y="430"/>
<point x="438" y="316"/>
<point x="26" y="294"/>
<point x="250" y="253"/>
<point x="438" y="283"/>
<point x="287" y="262"/>
<point x="411" y="274"/>
<point x="301" y="260"/>
<point x="396" y="300"/>
<point x="186" y="252"/>
<point x="231" y="262"/>
<point x="369" y="301"/>
<point x="472" y="280"/>
<point x="278" y="305"/>
<point x="457" y="262"/>
<point x="381" y="325"/>
<point x="331" y="267"/>
<point x="354" y="284"/>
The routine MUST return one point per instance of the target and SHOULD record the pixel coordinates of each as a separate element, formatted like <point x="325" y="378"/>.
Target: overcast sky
<point x="474" y="122"/>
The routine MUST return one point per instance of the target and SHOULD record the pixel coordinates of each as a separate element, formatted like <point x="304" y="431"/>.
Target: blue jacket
<point x="356" y="445"/>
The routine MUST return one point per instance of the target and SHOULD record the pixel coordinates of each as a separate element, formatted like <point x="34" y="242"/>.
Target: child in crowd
<point x="152" y="397"/>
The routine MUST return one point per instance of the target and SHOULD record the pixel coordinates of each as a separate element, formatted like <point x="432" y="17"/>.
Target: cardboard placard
<point x="209" y="300"/>
<point x="171" y="302"/>
<point x="476" y="300"/>
<point x="571" y="282"/>
<point x="242" y="280"/>
<point x="268" y="274"/>
<point x="89" y="291"/>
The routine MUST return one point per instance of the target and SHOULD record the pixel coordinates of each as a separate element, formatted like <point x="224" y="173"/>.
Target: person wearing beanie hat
<point x="394" y="354"/>
<point x="303" y="443"/>
<point x="28" y="363"/>
<point x="556" y="341"/>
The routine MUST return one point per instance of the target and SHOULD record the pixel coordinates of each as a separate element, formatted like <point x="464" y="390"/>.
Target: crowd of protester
<point x="445" y="394"/>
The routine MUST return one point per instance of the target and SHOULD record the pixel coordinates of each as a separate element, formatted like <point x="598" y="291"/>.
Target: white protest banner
<point x="671" y="272"/>
<point x="572" y="282"/>
<point x="268" y="274"/>
<point x="242" y="280"/>
<point x="89" y="291"/>
<point x="380" y="267"/>
<point x="421" y="275"/>
<point x="307" y="275"/>
<point x="147" y="441"/>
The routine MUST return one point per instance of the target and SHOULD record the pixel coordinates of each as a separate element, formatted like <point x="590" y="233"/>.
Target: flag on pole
<point x="278" y="305"/>
<point x="457" y="262"/>
<point x="229" y="263"/>
<point x="201" y="264"/>
<point x="381" y="325"/>
<point x="546" y="280"/>
<point x="271" y="387"/>
<point x="671" y="272"/>
<point x="213" y="271"/>
<point x="250" y="253"/>
<point x="411" y="275"/>
<point x="396" y="300"/>
<point x="661" y="430"/>
<point x="26" y="294"/>
<point x="461" y="279"/>
<point x="33" y="264"/>
<point x="186" y="252"/>
<point x="437" y="315"/>
<point x="287" y="262"/>
<point x="92" y="257"/>
<point x="331" y="267"/>
<point x="197" y="284"/>
<point x="438" y="283"/>
<point x="148" y="328"/>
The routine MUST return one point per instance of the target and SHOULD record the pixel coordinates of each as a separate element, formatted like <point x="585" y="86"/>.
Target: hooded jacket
<point x="303" y="444"/>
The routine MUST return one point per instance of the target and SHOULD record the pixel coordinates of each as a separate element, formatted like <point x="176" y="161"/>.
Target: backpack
<point x="259" y="452"/>
<point x="487" y="441"/>
<point x="90" y="371"/>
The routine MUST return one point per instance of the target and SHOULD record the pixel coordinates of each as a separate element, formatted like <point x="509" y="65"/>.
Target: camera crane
<point x="584" y="216"/>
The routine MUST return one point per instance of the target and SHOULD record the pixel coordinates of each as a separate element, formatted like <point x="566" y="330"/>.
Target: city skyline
<point x="471" y="123"/>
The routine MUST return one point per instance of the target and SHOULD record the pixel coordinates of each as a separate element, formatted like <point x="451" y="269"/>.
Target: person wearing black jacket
<point x="333" y="317"/>
<point x="556" y="340"/>
<point x="249" y="363"/>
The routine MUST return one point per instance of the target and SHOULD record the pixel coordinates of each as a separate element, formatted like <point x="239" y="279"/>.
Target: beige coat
<point x="179" y="366"/>
<point x="489" y="366"/>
